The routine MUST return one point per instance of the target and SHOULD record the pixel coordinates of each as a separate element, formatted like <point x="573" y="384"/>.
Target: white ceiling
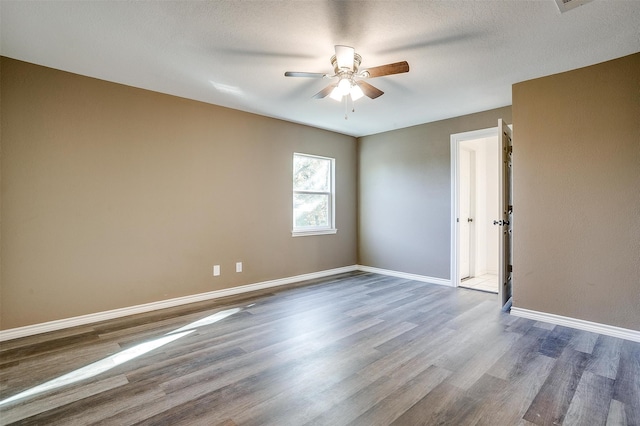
<point x="464" y="55"/>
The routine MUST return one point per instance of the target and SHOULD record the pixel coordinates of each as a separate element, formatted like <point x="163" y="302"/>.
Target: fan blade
<point x="395" y="68"/>
<point x="325" y="92"/>
<point x="304" y="74"/>
<point x="344" y="57"/>
<point x="369" y="90"/>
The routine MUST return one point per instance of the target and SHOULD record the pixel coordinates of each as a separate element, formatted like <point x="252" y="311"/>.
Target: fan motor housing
<point x="357" y="59"/>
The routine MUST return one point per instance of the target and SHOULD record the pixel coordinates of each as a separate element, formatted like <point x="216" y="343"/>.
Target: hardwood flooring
<point x="354" y="349"/>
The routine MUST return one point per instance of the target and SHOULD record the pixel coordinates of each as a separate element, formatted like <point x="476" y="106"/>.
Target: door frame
<point x="456" y="139"/>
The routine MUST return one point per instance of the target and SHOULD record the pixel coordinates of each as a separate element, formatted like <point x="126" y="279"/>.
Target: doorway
<point x="475" y="203"/>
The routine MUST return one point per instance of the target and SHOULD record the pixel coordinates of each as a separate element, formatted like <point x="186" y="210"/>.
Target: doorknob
<point x="470" y="219"/>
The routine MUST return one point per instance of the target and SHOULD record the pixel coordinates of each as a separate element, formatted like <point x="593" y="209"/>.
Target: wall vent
<point x="565" y="5"/>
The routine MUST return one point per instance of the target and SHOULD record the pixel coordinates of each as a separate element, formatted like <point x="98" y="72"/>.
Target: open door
<point x="506" y="221"/>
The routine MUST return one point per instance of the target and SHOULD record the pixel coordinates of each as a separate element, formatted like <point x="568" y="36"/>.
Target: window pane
<point x="310" y="210"/>
<point x="311" y="174"/>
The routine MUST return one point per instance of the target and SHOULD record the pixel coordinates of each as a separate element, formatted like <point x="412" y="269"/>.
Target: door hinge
<point x="509" y="268"/>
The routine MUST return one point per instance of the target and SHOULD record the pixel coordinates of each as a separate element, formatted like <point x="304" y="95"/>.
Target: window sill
<point x="313" y="232"/>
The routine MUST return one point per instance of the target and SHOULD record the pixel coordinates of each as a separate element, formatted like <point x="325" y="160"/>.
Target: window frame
<point x="318" y="230"/>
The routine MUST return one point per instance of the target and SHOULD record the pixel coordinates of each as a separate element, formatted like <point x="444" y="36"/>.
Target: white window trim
<point x="306" y="233"/>
<point x="325" y="230"/>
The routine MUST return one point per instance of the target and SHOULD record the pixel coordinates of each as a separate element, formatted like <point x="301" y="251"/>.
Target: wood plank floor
<point x="354" y="349"/>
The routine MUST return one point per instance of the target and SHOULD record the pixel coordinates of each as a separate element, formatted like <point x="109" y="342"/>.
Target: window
<point x="313" y="195"/>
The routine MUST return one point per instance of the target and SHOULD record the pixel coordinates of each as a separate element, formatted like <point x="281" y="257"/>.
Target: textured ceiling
<point x="464" y="55"/>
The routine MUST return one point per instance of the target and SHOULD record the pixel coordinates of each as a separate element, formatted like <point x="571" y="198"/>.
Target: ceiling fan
<point x="346" y="63"/>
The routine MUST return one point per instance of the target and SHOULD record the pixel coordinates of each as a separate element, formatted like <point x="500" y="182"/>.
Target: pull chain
<point x="346" y="107"/>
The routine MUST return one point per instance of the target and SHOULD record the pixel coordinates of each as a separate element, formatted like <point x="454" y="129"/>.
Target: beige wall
<point x="114" y="196"/>
<point x="405" y="194"/>
<point x="577" y="193"/>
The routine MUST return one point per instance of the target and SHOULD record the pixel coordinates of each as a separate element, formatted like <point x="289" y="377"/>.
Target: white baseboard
<point x="29" y="330"/>
<point x="594" y="327"/>
<point x="423" y="278"/>
<point x="15" y="333"/>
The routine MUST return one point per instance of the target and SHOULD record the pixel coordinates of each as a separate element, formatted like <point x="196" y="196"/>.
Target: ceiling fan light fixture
<point x="345" y="86"/>
<point x="336" y="94"/>
<point x="356" y="92"/>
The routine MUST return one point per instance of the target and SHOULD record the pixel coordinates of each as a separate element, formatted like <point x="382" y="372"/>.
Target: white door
<point x="506" y="211"/>
<point x="465" y="214"/>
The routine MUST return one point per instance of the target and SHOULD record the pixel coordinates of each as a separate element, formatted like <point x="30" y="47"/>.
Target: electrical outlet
<point x="216" y="270"/>
<point x="238" y="266"/>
